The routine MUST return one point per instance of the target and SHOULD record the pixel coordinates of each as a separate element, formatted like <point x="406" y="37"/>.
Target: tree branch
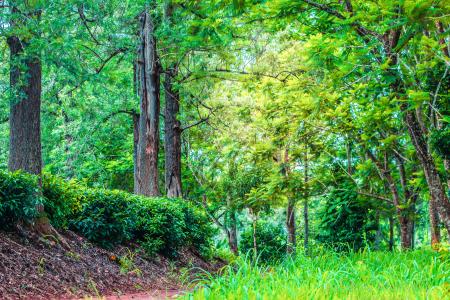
<point x="202" y="120"/>
<point x="85" y="23"/>
<point x="375" y="196"/>
<point x="360" y="29"/>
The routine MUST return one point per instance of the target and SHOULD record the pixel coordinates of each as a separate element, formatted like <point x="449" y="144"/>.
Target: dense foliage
<point x="159" y="121"/>
<point x="270" y="242"/>
<point x="19" y="196"/>
<point x="106" y="217"/>
<point x="346" y="222"/>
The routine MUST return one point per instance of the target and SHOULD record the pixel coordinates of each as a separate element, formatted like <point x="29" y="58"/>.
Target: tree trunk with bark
<point x="409" y="201"/>
<point x="25" y="151"/>
<point x="25" y="109"/>
<point x="172" y="136"/>
<point x="305" y="204"/>
<point x="290" y="210"/>
<point x="434" y="224"/>
<point x="149" y="80"/>
<point x="290" y="226"/>
<point x="379" y="234"/>
<point x="232" y="233"/>
<point x="437" y="194"/>
<point x="135" y="150"/>
<point x="172" y="126"/>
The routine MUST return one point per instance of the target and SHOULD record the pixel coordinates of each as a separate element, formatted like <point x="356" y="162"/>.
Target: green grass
<point x="420" y="274"/>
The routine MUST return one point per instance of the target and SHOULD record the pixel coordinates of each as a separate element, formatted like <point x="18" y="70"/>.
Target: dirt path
<point x="154" y="295"/>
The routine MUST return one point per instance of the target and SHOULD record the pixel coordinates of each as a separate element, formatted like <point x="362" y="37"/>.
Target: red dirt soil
<point x="39" y="270"/>
<point x="154" y="295"/>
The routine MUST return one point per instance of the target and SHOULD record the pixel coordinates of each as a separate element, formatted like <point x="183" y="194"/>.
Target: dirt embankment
<point x="38" y="270"/>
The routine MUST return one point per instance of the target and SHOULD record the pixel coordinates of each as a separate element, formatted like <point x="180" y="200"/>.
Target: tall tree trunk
<point x="412" y="224"/>
<point x="446" y="51"/>
<point x="135" y="150"/>
<point x="306" y="221"/>
<point x="25" y="110"/>
<point x="172" y="124"/>
<point x="228" y="226"/>
<point x="434" y="223"/>
<point x="417" y="133"/>
<point x="437" y="194"/>
<point x="290" y="210"/>
<point x="25" y="151"/>
<point x="290" y="226"/>
<point x="172" y="136"/>
<point x="149" y="80"/>
<point x="409" y="201"/>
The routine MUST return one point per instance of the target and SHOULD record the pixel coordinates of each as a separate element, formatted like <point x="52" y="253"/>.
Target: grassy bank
<point x="371" y="275"/>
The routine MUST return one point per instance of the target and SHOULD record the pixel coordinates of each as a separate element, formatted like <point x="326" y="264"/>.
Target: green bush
<point x="159" y="225"/>
<point x="62" y="199"/>
<point x="270" y="241"/>
<point x="19" y="197"/>
<point x="198" y="228"/>
<point x="104" y="217"/>
<point x="346" y="221"/>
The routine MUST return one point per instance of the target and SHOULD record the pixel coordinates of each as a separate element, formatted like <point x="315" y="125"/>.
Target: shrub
<point x="19" y="197"/>
<point x="346" y="222"/>
<point x="270" y="241"/>
<point x="104" y="217"/>
<point x="62" y="199"/>
<point x="159" y="225"/>
<point x="198" y="228"/>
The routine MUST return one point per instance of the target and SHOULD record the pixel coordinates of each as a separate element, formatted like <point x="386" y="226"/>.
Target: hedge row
<point x="106" y="217"/>
<point x="19" y="197"/>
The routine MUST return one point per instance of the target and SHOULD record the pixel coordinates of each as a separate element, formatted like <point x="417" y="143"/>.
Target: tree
<point x="172" y="126"/>
<point x="25" y="78"/>
<point x="148" y="71"/>
<point x="387" y="48"/>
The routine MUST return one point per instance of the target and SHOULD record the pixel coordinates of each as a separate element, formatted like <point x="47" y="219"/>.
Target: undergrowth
<point x="106" y="217"/>
<point x="421" y="274"/>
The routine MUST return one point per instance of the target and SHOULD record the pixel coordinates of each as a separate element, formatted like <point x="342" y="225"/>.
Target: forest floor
<point x="36" y="270"/>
